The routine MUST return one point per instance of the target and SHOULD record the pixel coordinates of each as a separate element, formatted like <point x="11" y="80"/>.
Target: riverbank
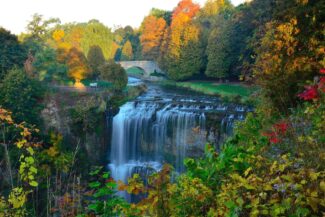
<point x="227" y="91"/>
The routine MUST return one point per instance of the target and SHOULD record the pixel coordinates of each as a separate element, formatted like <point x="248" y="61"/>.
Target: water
<point x="166" y="126"/>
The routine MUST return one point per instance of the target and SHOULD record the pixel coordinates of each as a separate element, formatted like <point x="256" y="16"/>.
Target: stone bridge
<point x="147" y="66"/>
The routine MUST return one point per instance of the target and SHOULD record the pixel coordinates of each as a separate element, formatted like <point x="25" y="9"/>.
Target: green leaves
<point x="104" y="202"/>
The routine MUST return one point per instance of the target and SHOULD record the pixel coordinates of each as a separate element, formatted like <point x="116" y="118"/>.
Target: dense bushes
<point x="115" y="73"/>
<point x="22" y="95"/>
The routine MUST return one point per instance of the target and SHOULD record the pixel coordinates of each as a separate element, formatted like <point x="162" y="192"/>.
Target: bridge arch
<point x="147" y="66"/>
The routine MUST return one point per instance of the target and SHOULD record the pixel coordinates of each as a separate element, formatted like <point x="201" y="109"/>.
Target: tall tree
<point x="11" y="52"/>
<point x="152" y="35"/>
<point x="184" y="33"/>
<point x="96" y="60"/>
<point x="219" y="50"/>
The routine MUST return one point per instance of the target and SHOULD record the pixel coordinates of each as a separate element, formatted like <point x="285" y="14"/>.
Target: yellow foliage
<point x="58" y="35"/>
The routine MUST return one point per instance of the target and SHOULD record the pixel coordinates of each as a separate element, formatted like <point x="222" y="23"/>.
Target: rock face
<point x="80" y="119"/>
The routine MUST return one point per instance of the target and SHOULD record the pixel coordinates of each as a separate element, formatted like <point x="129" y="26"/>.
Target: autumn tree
<point x="152" y="35"/>
<point x="212" y="8"/>
<point x="183" y="34"/>
<point x="127" y="52"/>
<point x="95" y="59"/>
<point x="77" y="64"/>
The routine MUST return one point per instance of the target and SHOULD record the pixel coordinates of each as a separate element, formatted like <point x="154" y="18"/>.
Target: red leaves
<point x="310" y="93"/>
<point x="279" y="130"/>
<point x="322" y="71"/>
<point x="273" y="138"/>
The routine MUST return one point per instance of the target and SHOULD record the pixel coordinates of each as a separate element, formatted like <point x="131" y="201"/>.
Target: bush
<point x="22" y="95"/>
<point x="113" y="72"/>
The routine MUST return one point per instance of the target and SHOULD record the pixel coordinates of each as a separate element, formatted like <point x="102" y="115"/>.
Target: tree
<point x="127" y="52"/>
<point x="153" y="29"/>
<point x="183" y="34"/>
<point x="95" y="59"/>
<point x="47" y="66"/>
<point x="121" y="36"/>
<point x="114" y="73"/>
<point x="166" y="15"/>
<point x="11" y="52"/>
<point x="21" y="95"/>
<point x="38" y="27"/>
<point x="213" y="7"/>
<point x="186" y="7"/>
<point x="77" y="63"/>
<point x="97" y="34"/>
<point x="189" y="64"/>
<point x="219" y="51"/>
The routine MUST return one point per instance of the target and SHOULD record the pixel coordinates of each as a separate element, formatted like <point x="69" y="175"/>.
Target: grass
<point x="228" y="91"/>
<point x="134" y="71"/>
<point x="157" y="74"/>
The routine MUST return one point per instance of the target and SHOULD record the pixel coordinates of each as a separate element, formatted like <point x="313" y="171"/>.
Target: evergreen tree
<point x="219" y="51"/>
<point x="189" y="62"/>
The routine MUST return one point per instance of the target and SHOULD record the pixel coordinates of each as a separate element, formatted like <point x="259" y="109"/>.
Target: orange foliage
<point x="182" y="29"/>
<point x="186" y="7"/>
<point x="152" y="36"/>
<point x="77" y="64"/>
<point x="70" y="53"/>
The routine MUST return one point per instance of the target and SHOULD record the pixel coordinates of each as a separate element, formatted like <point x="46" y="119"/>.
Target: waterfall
<point x="164" y="127"/>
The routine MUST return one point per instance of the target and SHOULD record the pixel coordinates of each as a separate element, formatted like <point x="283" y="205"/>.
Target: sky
<point x="15" y="14"/>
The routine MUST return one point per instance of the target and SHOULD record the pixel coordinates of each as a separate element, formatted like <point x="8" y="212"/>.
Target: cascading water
<point x="164" y="126"/>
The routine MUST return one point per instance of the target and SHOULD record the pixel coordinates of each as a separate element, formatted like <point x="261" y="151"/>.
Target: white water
<point x="163" y="127"/>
